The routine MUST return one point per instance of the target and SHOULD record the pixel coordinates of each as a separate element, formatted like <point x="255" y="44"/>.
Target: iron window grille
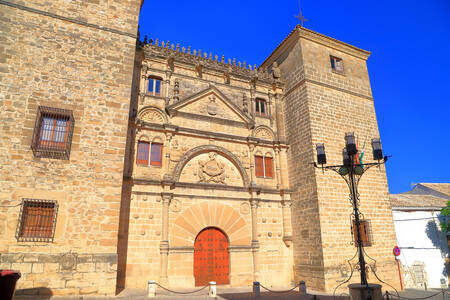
<point x="53" y="130"/>
<point x="37" y="220"/>
<point x="337" y="65"/>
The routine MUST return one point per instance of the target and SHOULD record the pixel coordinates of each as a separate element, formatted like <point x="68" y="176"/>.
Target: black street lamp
<point x="351" y="171"/>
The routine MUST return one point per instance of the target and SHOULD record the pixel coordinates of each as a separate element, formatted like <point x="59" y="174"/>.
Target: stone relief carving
<point x="211" y="170"/>
<point x="276" y="73"/>
<point x="245" y="208"/>
<point x="263" y="133"/>
<point x="176" y="91"/>
<point x="212" y="106"/>
<point x="175" y="205"/>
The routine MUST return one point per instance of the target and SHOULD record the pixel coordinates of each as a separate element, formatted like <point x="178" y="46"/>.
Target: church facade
<point x="180" y="166"/>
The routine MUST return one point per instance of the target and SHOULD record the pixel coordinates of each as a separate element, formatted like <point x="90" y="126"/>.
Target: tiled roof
<point x="440" y="187"/>
<point x="423" y="195"/>
<point x="411" y="200"/>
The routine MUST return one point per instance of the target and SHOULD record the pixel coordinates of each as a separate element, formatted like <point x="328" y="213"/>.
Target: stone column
<point x="278" y="167"/>
<point x="164" y="245"/>
<point x="167" y="151"/>
<point x="143" y="84"/>
<point x="251" y="149"/>
<point x="269" y="108"/>
<point x="286" y="211"/>
<point x="255" y="242"/>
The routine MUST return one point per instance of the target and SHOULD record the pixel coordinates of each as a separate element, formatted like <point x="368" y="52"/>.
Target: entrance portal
<point x="211" y="257"/>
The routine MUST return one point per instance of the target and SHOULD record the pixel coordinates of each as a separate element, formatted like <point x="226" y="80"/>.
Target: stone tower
<point x="327" y="93"/>
<point x="65" y="76"/>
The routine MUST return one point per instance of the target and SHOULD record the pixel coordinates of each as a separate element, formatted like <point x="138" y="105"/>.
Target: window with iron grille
<point x="263" y="166"/>
<point x="149" y="153"/>
<point x="337" y="65"/>
<point x="261" y="107"/>
<point x="364" y="231"/>
<point x="154" y="85"/>
<point x="37" y="220"/>
<point x="52" y="136"/>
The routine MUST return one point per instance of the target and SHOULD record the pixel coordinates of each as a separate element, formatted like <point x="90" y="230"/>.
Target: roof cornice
<point x="302" y="32"/>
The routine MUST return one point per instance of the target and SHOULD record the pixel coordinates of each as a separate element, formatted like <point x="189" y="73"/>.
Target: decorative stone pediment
<point x="211" y="103"/>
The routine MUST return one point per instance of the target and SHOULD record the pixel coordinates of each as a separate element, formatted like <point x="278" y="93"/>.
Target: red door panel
<point x="211" y="257"/>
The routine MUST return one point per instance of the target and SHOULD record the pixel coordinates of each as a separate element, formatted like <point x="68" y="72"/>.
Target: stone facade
<point x="75" y="56"/>
<point x="120" y="223"/>
<point x="205" y="119"/>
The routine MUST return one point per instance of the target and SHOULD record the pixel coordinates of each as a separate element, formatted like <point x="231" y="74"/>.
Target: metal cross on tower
<point x="300" y="16"/>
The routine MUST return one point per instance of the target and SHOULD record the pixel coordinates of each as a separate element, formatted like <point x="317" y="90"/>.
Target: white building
<point x="424" y="247"/>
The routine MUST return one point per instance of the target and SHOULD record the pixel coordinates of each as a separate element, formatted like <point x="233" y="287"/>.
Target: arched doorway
<point x="211" y="257"/>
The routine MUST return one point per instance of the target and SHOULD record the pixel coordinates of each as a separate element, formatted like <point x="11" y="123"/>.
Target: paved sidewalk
<point x="245" y="294"/>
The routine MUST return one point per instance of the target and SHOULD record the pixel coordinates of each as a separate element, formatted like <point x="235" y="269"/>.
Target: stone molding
<point x="216" y="92"/>
<point x="209" y="148"/>
<point x="159" y="117"/>
<point x="210" y="134"/>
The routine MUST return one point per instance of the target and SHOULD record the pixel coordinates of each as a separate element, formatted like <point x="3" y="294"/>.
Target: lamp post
<point x="351" y="171"/>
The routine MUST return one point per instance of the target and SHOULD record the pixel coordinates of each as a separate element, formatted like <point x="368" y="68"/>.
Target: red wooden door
<point x="211" y="257"/>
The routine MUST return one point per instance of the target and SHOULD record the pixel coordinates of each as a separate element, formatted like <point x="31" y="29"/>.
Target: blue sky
<point x="409" y="66"/>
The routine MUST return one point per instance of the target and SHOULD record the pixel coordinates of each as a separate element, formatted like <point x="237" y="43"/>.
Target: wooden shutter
<point x="259" y="166"/>
<point x="142" y="153"/>
<point x="156" y="154"/>
<point x="268" y="167"/>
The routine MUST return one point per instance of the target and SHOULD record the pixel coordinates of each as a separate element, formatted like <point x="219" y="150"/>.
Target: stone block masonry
<point x="77" y="57"/>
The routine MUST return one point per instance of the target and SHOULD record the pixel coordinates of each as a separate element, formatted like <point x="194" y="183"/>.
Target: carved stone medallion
<point x="245" y="208"/>
<point x="211" y="170"/>
<point x="212" y="106"/>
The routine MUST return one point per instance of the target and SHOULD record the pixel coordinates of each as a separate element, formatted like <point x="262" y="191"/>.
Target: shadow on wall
<point x="438" y="238"/>
<point x="42" y="292"/>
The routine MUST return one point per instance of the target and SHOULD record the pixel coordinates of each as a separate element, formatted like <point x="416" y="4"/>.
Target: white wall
<point x="420" y="239"/>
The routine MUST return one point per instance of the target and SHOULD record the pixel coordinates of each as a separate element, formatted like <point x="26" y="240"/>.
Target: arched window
<point x="261" y="107"/>
<point x="149" y="153"/>
<point x="154" y="85"/>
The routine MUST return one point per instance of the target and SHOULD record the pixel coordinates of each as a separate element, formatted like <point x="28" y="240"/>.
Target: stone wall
<point x="75" y="56"/>
<point x="327" y="105"/>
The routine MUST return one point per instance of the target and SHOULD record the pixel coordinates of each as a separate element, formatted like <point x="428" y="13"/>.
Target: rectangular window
<point x="337" y="65"/>
<point x="260" y="107"/>
<point x="149" y="154"/>
<point x="156" y="154"/>
<point x="263" y="166"/>
<point x="142" y="153"/>
<point x="52" y="136"/>
<point x="154" y="86"/>
<point x="37" y="220"/>
<point x="364" y="232"/>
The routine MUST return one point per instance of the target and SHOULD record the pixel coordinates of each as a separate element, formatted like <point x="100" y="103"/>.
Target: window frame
<point x="42" y="147"/>
<point x="334" y="60"/>
<point x="154" y="79"/>
<point x="258" y="106"/>
<point x="264" y="167"/>
<point x="149" y="161"/>
<point x="27" y="203"/>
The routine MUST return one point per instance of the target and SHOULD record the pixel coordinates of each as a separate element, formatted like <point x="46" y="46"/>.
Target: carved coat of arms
<point x="211" y="170"/>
